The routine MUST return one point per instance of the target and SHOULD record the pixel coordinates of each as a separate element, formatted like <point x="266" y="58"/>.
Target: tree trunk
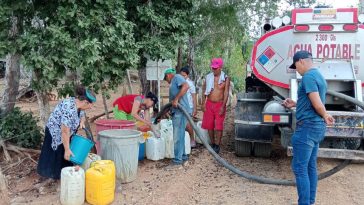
<point x="145" y="85"/>
<point x="179" y="59"/>
<point x="4" y="195"/>
<point x="43" y="102"/>
<point x="12" y="75"/>
<point x="191" y="58"/>
<point x="105" y="106"/>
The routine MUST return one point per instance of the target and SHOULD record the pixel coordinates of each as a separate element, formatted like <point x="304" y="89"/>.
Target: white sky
<point x="340" y="3"/>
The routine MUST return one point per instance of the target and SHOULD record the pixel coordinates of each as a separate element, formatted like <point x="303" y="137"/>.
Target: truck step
<point x="347" y="125"/>
<point x="336" y="153"/>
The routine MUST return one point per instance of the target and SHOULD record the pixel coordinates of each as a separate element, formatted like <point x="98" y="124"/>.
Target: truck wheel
<point x="243" y="148"/>
<point x="262" y="149"/>
<point x="352" y="143"/>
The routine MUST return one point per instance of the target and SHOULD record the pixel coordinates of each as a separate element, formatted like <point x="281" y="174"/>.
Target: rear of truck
<point x="335" y="38"/>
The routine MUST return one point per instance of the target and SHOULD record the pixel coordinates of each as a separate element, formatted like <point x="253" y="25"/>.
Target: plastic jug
<point x="166" y="124"/>
<point x="72" y="186"/>
<point x="167" y="135"/>
<point x="155" y="148"/>
<point x="204" y="132"/>
<point x="100" y="183"/>
<point x="89" y="159"/>
<point x="187" y="143"/>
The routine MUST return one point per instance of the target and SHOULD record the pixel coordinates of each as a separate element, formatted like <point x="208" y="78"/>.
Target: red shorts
<point x="212" y="120"/>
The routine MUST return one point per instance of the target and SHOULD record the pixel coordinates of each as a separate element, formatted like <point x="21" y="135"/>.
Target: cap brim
<point x="293" y="66"/>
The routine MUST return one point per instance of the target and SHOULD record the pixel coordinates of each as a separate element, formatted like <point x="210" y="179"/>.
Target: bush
<point x="21" y="129"/>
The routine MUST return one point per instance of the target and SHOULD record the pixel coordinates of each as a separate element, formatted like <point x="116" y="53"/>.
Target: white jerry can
<point x="187" y="143"/>
<point x="167" y="135"/>
<point x="72" y="186"/>
<point x="204" y="132"/>
<point x="155" y="147"/>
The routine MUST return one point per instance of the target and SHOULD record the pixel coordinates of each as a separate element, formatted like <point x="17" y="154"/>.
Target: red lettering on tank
<point x="290" y="52"/>
<point x="319" y="50"/>
<point x="332" y="46"/>
<point x="345" y="51"/>
<point x="297" y="48"/>
<point x="338" y="51"/>
<point x="326" y="51"/>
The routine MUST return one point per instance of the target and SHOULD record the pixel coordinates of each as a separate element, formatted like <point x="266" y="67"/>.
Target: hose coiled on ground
<point x="260" y="179"/>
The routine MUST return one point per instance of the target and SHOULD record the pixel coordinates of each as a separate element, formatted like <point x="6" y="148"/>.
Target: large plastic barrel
<point x="122" y="147"/>
<point x="110" y="124"/>
<point x="100" y="183"/>
<point x="80" y="147"/>
<point x="72" y="186"/>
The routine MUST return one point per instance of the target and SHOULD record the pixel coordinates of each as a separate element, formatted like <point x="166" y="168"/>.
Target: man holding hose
<point x="178" y="88"/>
<point x="311" y="125"/>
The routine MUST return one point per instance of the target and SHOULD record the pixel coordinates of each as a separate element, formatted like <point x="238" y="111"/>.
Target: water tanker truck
<point x="335" y="37"/>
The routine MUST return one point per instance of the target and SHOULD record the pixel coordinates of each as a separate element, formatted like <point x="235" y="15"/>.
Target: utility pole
<point x="361" y="6"/>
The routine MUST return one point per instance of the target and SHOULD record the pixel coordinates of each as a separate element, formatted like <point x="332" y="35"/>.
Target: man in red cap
<point x="216" y="92"/>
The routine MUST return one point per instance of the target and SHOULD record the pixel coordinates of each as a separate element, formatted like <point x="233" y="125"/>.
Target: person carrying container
<point x="63" y="122"/>
<point x="129" y="107"/>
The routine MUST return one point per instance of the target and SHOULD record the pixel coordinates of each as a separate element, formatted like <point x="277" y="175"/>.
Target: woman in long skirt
<point x="62" y="124"/>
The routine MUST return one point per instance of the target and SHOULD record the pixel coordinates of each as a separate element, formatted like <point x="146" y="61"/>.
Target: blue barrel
<point x="141" y="151"/>
<point x="80" y="147"/>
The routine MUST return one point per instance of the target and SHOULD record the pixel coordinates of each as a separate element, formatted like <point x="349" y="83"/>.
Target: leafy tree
<point x="161" y="26"/>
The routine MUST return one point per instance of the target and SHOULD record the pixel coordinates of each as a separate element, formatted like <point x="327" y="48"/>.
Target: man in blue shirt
<point x="177" y="95"/>
<point x="311" y="125"/>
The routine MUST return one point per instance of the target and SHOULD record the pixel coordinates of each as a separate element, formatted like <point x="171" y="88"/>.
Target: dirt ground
<point x="203" y="180"/>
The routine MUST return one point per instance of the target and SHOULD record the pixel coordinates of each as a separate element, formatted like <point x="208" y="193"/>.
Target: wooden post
<point x="129" y="82"/>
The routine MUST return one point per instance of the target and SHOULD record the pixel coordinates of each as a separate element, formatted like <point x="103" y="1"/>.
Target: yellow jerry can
<point x="100" y="183"/>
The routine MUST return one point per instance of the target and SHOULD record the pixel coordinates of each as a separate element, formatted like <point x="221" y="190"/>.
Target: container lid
<point x="120" y="133"/>
<point x="112" y="122"/>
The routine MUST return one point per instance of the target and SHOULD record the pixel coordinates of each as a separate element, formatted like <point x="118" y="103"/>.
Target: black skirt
<point x="51" y="161"/>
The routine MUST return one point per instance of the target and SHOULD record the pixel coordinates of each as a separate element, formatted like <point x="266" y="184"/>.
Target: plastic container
<point x="204" y="132"/>
<point x="167" y="135"/>
<point x="91" y="157"/>
<point x="187" y="143"/>
<point x="100" y="183"/>
<point x="122" y="147"/>
<point x="80" y="147"/>
<point x="110" y="124"/>
<point x="72" y="186"/>
<point x="155" y="148"/>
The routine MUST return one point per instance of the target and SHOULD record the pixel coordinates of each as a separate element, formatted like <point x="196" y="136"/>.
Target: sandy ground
<point x="204" y="181"/>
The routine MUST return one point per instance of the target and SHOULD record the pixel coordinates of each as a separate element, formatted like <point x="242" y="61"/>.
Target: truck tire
<point x="352" y="143"/>
<point x="262" y="149"/>
<point x="243" y="148"/>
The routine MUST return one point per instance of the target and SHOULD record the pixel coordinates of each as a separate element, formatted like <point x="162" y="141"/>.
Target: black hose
<point x="263" y="180"/>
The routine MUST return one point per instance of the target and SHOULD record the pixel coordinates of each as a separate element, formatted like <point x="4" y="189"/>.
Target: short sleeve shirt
<point x="312" y="81"/>
<point x="65" y="113"/>
<point x="175" y="87"/>
<point x="191" y="90"/>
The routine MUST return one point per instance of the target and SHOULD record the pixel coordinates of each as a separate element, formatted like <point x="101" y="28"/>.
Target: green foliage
<point x="21" y="129"/>
<point x="160" y="25"/>
<point x="90" y="37"/>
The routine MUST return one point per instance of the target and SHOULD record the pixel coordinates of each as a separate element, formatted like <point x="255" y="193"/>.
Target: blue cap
<point x="90" y="97"/>
<point x="298" y="56"/>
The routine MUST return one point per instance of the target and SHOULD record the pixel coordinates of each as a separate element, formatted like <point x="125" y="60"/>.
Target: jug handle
<point x="89" y="135"/>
